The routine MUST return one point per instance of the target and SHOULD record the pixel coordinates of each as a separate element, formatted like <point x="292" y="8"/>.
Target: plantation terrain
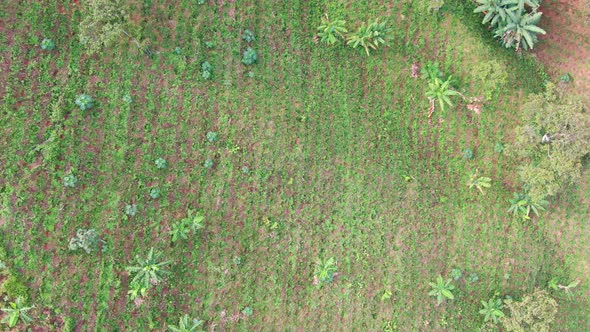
<point x="303" y="187"/>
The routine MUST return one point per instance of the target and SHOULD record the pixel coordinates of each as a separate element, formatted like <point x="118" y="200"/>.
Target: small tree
<point x="102" y="24"/>
<point x="442" y="289"/>
<point x="16" y="310"/>
<point x="331" y="31"/>
<point x="148" y="271"/>
<point x="534" y="313"/>
<point x="185" y="324"/>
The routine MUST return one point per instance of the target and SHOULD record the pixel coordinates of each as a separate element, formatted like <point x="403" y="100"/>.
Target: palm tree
<point x="521" y="31"/>
<point x="441" y="91"/>
<point x="492" y="310"/>
<point x="442" y="289"/>
<point x="331" y="31"/>
<point x="186" y="325"/>
<point x="16" y="311"/>
<point x="369" y="36"/>
<point x="479" y="182"/>
<point x="148" y="271"/>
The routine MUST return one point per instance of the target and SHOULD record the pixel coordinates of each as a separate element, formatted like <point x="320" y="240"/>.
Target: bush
<point x="86" y="239"/>
<point x="534" y="313"/>
<point x="15" y="288"/>
<point x="208" y="163"/>
<point x="160" y="163"/>
<point x="250" y="56"/>
<point x="103" y="22"/>
<point x="212" y="137"/>
<point x="84" y="101"/>
<point x="47" y="44"/>
<point x="468" y="154"/>
<point x="70" y="180"/>
<point x="206" y="69"/>
<point x="155" y="193"/>
<point x="131" y="209"/>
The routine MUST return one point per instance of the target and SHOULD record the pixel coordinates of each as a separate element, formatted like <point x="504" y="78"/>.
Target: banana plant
<point x="492" y="310"/>
<point x="370" y="36"/>
<point x="521" y="31"/>
<point x="185" y="324"/>
<point x="440" y="91"/>
<point x="15" y="312"/>
<point x="521" y="205"/>
<point x="331" y="31"/>
<point x="479" y="182"/>
<point x="148" y="271"/>
<point x="442" y="289"/>
<point x="495" y="11"/>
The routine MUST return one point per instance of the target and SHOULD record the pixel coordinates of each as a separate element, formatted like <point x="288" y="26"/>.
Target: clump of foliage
<point x="499" y="147"/>
<point x="514" y="21"/>
<point x="193" y="222"/>
<point x="552" y="142"/>
<point x="442" y="289"/>
<point x="492" y="310"/>
<point x="131" y="209"/>
<point x="535" y="313"/>
<point x="247" y="311"/>
<point x="160" y="163"/>
<point x="178" y="50"/>
<point x="472" y="277"/>
<point x="206" y="69"/>
<point x="84" y="101"/>
<point x="70" y="180"/>
<point x="521" y="206"/>
<point x="127" y="99"/>
<point x="555" y="285"/>
<point x="490" y="77"/>
<point x="331" y="31"/>
<point x="479" y="182"/>
<point x="456" y="274"/>
<point x="47" y="44"/>
<point x="565" y="78"/>
<point x="86" y="239"/>
<point x="148" y="271"/>
<point x="211" y="136"/>
<point x="103" y="22"/>
<point x="370" y="36"/>
<point x="201" y="2"/>
<point x="16" y="311"/>
<point x="324" y="272"/>
<point x="185" y="324"/>
<point x="248" y="36"/>
<point x="250" y="56"/>
<point x="468" y="154"/>
<point x="431" y="70"/>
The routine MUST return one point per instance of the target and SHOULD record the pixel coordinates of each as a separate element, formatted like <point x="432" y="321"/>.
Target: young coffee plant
<point x="84" y="101"/>
<point x="86" y="239"/>
<point x="127" y="99"/>
<point x="248" y="36"/>
<point x="442" y="289"/>
<point x="250" y="56"/>
<point x="208" y="163"/>
<point x="456" y="274"/>
<point x="131" y="209"/>
<point x="155" y="193"/>
<point x="206" y="70"/>
<point x="16" y="311"/>
<point x="468" y="154"/>
<point x="148" y="271"/>
<point x="492" y="310"/>
<point x="70" y="180"/>
<point x="212" y="137"/>
<point x="185" y="324"/>
<point x="324" y="272"/>
<point x="47" y="44"/>
<point x="331" y="31"/>
<point x="160" y="163"/>
<point x="479" y="182"/>
<point x="369" y="36"/>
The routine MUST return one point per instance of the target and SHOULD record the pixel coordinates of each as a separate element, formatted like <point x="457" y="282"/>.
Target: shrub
<point x="201" y="2"/>
<point x="206" y="70"/>
<point x="47" y="44"/>
<point x="473" y="277"/>
<point x="535" y="313"/>
<point x="431" y="70"/>
<point x="103" y="22"/>
<point x="250" y="56"/>
<point x="247" y="311"/>
<point x="566" y="78"/>
<point x="86" y="239"/>
<point x="84" y="101"/>
<point x="209" y="44"/>
<point x="248" y="36"/>
<point x="178" y="50"/>
<point x="193" y="222"/>
<point x="70" y="180"/>
<point x="492" y="310"/>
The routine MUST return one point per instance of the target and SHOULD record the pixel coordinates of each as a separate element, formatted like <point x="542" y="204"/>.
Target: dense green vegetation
<point x="237" y="165"/>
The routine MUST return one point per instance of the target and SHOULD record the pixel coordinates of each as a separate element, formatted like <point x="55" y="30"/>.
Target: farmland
<point x="312" y="152"/>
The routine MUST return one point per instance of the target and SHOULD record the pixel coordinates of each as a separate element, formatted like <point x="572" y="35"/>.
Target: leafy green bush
<point x="193" y="222"/>
<point x="130" y="209"/>
<point x="177" y="50"/>
<point x="247" y="311"/>
<point x="472" y="277"/>
<point x="185" y="324"/>
<point x="15" y="312"/>
<point x="206" y="70"/>
<point x="431" y="70"/>
<point x="468" y="154"/>
<point x="370" y="36"/>
<point x="127" y="99"/>
<point x="47" y="44"/>
<point x="250" y="56"/>
<point x="442" y="289"/>
<point x="84" y="101"/>
<point x="534" y="313"/>
<point x="248" y="36"/>
<point x="155" y="193"/>
<point x="324" y="272"/>
<point x="499" y="147"/>
<point x="331" y="31"/>
<point x="492" y="310"/>
<point x="456" y="274"/>
<point x="208" y="163"/>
